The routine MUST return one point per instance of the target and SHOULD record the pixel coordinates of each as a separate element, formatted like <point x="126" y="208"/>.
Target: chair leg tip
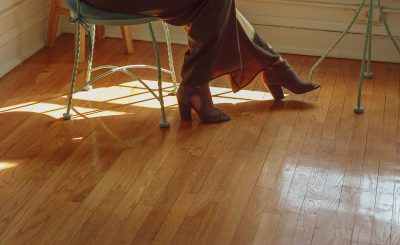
<point x="67" y="116"/>
<point x="88" y="88"/>
<point x="164" y="124"/>
<point x="368" y="75"/>
<point x="359" y="110"/>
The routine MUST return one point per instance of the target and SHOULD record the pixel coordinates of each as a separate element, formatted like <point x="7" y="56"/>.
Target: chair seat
<point x="93" y="15"/>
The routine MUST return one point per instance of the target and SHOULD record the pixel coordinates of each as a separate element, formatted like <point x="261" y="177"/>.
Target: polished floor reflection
<point x="303" y="171"/>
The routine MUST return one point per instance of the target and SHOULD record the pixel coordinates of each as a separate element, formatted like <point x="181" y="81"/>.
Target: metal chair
<point x="87" y="17"/>
<point x="57" y="10"/>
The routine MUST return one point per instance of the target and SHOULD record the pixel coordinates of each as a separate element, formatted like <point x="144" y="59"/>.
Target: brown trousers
<point x="221" y="40"/>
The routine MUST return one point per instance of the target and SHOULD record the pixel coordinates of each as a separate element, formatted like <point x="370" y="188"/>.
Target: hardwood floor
<point x="303" y="171"/>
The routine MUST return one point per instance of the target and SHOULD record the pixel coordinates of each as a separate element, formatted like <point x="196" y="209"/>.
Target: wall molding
<point x="292" y="26"/>
<point x="303" y="27"/>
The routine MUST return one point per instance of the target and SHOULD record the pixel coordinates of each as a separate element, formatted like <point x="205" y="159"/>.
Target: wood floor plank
<point x="211" y="177"/>
<point x="394" y="81"/>
<point x="311" y="205"/>
<point x="42" y="150"/>
<point x="266" y="229"/>
<point x="84" y="188"/>
<point x="231" y="197"/>
<point x="250" y="221"/>
<point x="296" y="192"/>
<point x="306" y="170"/>
<point x="81" y="190"/>
<point x="351" y="133"/>
<point x="363" y="226"/>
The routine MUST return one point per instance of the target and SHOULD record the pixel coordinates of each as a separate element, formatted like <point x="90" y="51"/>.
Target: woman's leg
<point x="255" y="54"/>
<point x="214" y="49"/>
<point x="221" y="41"/>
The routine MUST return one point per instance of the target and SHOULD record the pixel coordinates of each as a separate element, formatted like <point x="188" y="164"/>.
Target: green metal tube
<point x="90" y="58"/>
<point x="359" y="109"/>
<point x="115" y="68"/>
<point x="367" y="73"/>
<point x="68" y="114"/>
<point x="170" y="55"/>
<point x="104" y="74"/>
<point x="387" y="26"/>
<point x="315" y="66"/>
<point x="164" y="123"/>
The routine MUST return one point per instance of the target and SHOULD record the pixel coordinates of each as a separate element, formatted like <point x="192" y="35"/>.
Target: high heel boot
<point x="199" y="99"/>
<point x="281" y="75"/>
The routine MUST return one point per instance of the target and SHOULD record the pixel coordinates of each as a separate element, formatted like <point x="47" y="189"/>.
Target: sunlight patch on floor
<point x="136" y="94"/>
<point x="126" y="94"/>
<point x="7" y="165"/>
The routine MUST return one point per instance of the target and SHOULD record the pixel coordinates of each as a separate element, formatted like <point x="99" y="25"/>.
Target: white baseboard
<point x="307" y="27"/>
<point x="288" y="40"/>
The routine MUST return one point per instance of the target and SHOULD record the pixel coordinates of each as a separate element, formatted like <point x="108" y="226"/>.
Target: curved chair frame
<point x="365" y="69"/>
<point x="89" y="25"/>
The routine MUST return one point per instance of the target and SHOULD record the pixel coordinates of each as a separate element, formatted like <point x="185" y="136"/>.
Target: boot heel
<point x="185" y="111"/>
<point x="276" y="91"/>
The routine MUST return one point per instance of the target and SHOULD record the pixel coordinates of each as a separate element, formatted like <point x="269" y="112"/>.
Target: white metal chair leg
<point x="68" y="115"/>
<point x="90" y="59"/>
<point x="170" y="55"/>
<point x="164" y="123"/>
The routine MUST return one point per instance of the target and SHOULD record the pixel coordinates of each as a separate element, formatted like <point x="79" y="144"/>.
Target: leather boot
<point x="281" y="75"/>
<point x="199" y="99"/>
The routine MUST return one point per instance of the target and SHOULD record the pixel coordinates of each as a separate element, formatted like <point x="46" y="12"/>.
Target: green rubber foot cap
<point x="164" y="124"/>
<point x="67" y="116"/>
<point x="359" y="110"/>
<point x="172" y="93"/>
<point x="88" y="88"/>
<point x="368" y="75"/>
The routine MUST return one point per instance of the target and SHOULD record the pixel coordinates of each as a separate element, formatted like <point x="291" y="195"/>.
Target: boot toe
<point x="219" y="117"/>
<point x="305" y="88"/>
<point x="314" y="86"/>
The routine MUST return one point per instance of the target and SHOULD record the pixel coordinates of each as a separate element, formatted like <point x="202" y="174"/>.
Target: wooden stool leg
<point x="53" y="24"/>
<point x="82" y="56"/>
<point x="100" y="32"/>
<point x="127" y="38"/>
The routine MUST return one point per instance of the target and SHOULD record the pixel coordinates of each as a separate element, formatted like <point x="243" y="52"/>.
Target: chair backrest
<point x="75" y="7"/>
<point x="92" y="15"/>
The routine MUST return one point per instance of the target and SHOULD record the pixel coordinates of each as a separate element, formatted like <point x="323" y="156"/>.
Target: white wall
<point x="311" y="26"/>
<point x="293" y="26"/>
<point x="306" y="27"/>
<point x="22" y="30"/>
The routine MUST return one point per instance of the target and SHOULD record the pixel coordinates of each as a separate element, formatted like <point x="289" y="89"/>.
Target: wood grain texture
<point x="303" y="171"/>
